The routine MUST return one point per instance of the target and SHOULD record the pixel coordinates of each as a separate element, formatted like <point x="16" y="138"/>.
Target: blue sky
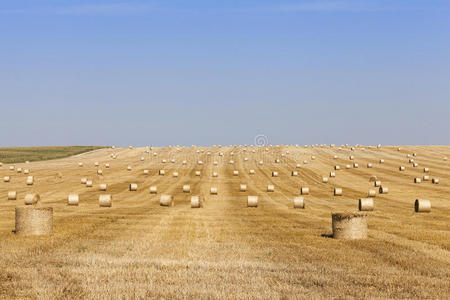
<point x="222" y="72"/>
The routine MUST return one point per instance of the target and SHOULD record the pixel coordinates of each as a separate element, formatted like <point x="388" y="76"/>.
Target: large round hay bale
<point x="26" y="171"/>
<point x="162" y="172"/>
<point x="304" y="191"/>
<point x="369" y="165"/>
<point x="251" y="172"/>
<point x="32" y="199"/>
<point x="372" y="193"/>
<point x="299" y="202"/>
<point x="365" y="204"/>
<point x="324" y="179"/>
<point x="186" y="188"/>
<point x="377" y="183"/>
<point x="175" y="174"/>
<point x="426" y="178"/>
<point x="83" y="180"/>
<point x="415" y="165"/>
<point x="274" y="174"/>
<point x="338" y="191"/>
<point x="349" y="225"/>
<point x="422" y="205"/>
<point x="381" y="161"/>
<point x="355" y="165"/>
<point x="435" y="180"/>
<point x="129" y="168"/>
<point x="6" y="179"/>
<point x="11" y="168"/>
<point x="351" y="157"/>
<point x="99" y="172"/>
<point x="19" y="170"/>
<point x="243" y="188"/>
<point x="89" y="183"/>
<point x="294" y="173"/>
<point x="426" y="170"/>
<point x="96" y="164"/>
<point x="73" y="200"/>
<point x="107" y="165"/>
<point x="384" y="190"/>
<point x="215" y="174"/>
<point x="401" y="168"/>
<point x="417" y="180"/>
<point x="12" y="195"/>
<point x="133" y="187"/>
<point x="103" y="187"/>
<point x="332" y="174"/>
<point x="260" y="162"/>
<point x="195" y="202"/>
<point x="213" y="191"/>
<point x="197" y="173"/>
<point x="166" y="200"/>
<point x="235" y="173"/>
<point x="348" y="166"/>
<point x="153" y="189"/>
<point x="298" y="165"/>
<point x="252" y="201"/>
<point x="146" y="172"/>
<point x="30" y="180"/>
<point x="270" y="188"/>
<point x="105" y="200"/>
<point x="33" y="220"/>
<point x="337" y="167"/>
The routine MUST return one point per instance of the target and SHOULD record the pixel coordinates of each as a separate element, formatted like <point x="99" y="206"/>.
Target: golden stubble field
<point x="138" y="249"/>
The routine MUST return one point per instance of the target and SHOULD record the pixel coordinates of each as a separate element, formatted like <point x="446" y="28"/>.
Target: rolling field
<point x="139" y="249"/>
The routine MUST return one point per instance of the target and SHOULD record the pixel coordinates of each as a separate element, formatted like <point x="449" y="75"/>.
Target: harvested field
<point x="139" y="249"/>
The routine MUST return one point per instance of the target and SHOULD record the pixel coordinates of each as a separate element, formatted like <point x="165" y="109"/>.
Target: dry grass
<point x="139" y="249"/>
<point x="22" y="154"/>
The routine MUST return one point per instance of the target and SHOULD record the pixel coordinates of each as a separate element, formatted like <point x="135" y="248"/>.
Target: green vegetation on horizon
<point x="22" y="154"/>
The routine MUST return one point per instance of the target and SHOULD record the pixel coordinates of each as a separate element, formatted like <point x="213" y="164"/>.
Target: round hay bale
<point x="103" y="187"/>
<point x="213" y="191"/>
<point x="372" y="193"/>
<point x="245" y="158"/>
<point x="338" y="191"/>
<point x="335" y="157"/>
<point x="411" y="160"/>
<point x="146" y="172"/>
<point x="200" y="162"/>
<point x="197" y="173"/>
<point x="142" y="158"/>
<point x="337" y="167"/>
<point x="30" y="180"/>
<point x="349" y="225"/>
<point x="215" y="174"/>
<point x="324" y="179"/>
<point x="270" y="188"/>
<point x="162" y="172"/>
<point x="377" y="183"/>
<point x="422" y="205"/>
<point x="89" y="183"/>
<point x="277" y="161"/>
<point x="252" y="201"/>
<point x="133" y="187"/>
<point x="19" y="170"/>
<point x="332" y="174"/>
<point x="426" y="177"/>
<point x="231" y="162"/>
<point x="373" y="178"/>
<point x="435" y="180"/>
<point x="11" y="168"/>
<point x="426" y="170"/>
<point x="163" y="161"/>
<point x="445" y="158"/>
<point x="381" y="161"/>
<point x="348" y="166"/>
<point x="355" y="165"/>
<point x="33" y="220"/>
<point x="184" y="162"/>
<point x="401" y="168"/>
<point x="175" y="174"/>
<point x="26" y="171"/>
<point x="415" y="165"/>
<point x="215" y="163"/>
<point x="365" y="204"/>
<point x="417" y="180"/>
<point x="383" y="190"/>
<point x="153" y="189"/>
<point x="274" y="174"/>
<point x="129" y="168"/>
<point x="195" y="202"/>
<point x="299" y="202"/>
<point x="32" y="199"/>
<point x="99" y="172"/>
<point x="107" y="165"/>
<point x="304" y="191"/>
<point x="235" y="173"/>
<point x="414" y="154"/>
<point x="12" y="195"/>
<point x="105" y="200"/>
<point x="313" y="157"/>
<point x="305" y="162"/>
<point x="186" y="188"/>
<point x="83" y="180"/>
<point x="294" y="173"/>
<point x="243" y="187"/>
<point x="6" y="179"/>
<point x="166" y="200"/>
<point x="251" y="172"/>
<point x="73" y="200"/>
<point x="298" y="165"/>
<point x="369" y="165"/>
<point x="96" y="164"/>
<point x="351" y="157"/>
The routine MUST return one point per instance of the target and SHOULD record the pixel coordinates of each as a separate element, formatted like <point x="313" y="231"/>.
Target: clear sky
<point x="222" y="72"/>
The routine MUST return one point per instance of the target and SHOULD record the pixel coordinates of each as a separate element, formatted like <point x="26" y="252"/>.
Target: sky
<point x="224" y="72"/>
